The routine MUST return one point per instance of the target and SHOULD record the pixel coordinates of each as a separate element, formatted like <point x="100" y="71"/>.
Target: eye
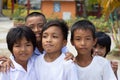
<point x="16" y="45"/>
<point x="55" y="36"/>
<point x="88" y="38"/>
<point x="29" y="44"/>
<point x="77" y="39"/>
<point x="101" y="47"/>
<point x="44" y="36"/>
<point x="40" y="25"/>
<point x="31" y="26"/>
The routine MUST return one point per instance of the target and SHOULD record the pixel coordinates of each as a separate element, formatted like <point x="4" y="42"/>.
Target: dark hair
<point x="103" y="40"/>
<point x="58" y="23"/>
<point x="83" y="24"/>
<point x="36" y="14"/>
<point x="17" y="33"/>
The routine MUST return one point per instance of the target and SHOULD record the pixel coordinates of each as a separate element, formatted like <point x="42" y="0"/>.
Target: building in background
<point x="64" y="9"/>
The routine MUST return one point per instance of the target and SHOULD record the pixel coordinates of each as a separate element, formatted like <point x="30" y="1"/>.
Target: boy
<point x="51" y="65"/>
<point x="22" y="46"/>
<point x="35" y="21"/>
<point x="89" y="67"/>
<point x="102" y="48"/>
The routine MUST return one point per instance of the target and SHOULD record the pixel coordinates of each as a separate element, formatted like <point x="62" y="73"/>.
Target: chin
<point x="38" y="39"/>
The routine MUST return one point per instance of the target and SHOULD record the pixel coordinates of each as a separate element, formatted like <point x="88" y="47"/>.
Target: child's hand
<point x="69" y="56"/>
<point x="5" y="64"/>
<point x="114" y="65"/>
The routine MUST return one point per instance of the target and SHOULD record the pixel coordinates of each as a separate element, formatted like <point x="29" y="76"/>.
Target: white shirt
<point x="59" y="69"/>
<point x="98" y="69"/>
<point x="19" y="73"/>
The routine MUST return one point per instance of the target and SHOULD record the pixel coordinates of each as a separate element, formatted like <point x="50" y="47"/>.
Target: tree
<point x="109" y="7"/>
<point x="1" y="14"/>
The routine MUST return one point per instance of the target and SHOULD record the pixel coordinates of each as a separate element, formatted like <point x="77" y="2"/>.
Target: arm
<point x="6" y="63"/>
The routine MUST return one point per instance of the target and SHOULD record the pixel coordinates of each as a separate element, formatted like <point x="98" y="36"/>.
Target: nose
<point x="23" y="48"/>
<point x="96" y="51"/>
<point x="36" y="28"/>
<point x="83" y="42"/>
<point x="49" y="39"/>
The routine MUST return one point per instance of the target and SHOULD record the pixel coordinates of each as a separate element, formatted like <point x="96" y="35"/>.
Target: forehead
<point x="35" y="19"/>
<point x="82" y="32"/>
<point x="53" y="29"/>
<point x="21" y="39"/>
<point x="100" y="45"/>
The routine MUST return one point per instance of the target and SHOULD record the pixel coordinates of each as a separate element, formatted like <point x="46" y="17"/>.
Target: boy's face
<point x="22" y="50"/>
<point x="99" y="50"/>
<point x="36" y="23"/>
<point x="52" y="40"/>
<point x="83" y="41"/>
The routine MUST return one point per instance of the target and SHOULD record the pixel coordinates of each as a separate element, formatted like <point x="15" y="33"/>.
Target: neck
<point x="83" y="60"/>
<point x="50" y="57"/>
<point x="39" y="46"/>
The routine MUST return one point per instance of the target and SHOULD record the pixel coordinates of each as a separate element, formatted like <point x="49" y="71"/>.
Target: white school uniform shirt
<point x="64" y="50"/>
<point x="19" y="73"/>
<point x="98" y="69"/>
<point x="59" y="69"/>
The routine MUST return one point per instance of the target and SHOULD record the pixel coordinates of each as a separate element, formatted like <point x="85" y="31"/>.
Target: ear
<point x="64" y="43"/>
<point x="95" y="41"/>
<point x="72" y="42"/>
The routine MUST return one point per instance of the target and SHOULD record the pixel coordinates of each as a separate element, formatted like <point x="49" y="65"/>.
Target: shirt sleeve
<point x="65" y="49"/>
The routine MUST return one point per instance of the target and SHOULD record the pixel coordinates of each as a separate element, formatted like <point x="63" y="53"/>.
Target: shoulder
<point x="39" y="58"/>
<point x="69" y="64"/>
<point x="101" y="61"/>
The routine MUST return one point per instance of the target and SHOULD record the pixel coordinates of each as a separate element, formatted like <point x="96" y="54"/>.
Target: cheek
<point x="104" y="51"/>
<point x="15" y="53"/>
<point x="76" y="45"/>
<point x="15" y="50"/>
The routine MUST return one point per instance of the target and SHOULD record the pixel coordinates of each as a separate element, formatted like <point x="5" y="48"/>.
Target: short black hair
<point x="35" y="14"/>
<point x="103" y="40"/>
<point x="17" y="33"/>
<point x="58" y="23"/>
<point x="85" y="25"/>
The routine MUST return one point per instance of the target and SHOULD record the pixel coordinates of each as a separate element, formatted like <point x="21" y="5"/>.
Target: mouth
<point x="48" y="46"/>
<point x="83" y="48"/>
<point x="23" y="54"/>
<point x="37" y="35"/>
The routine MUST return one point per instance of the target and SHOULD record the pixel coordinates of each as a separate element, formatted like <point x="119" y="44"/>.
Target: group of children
<point x="25" y="42"/>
